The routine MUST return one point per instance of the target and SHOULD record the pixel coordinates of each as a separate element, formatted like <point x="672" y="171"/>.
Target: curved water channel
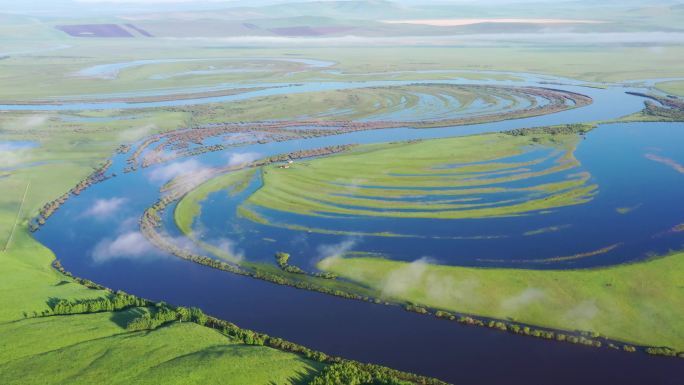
<point x="612" y="99"/>
<point x="375" y="333"/>
<point x="629" y="219"/>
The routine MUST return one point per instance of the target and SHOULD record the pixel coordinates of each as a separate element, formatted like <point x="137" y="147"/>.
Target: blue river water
<point x="88" y="243"/>
<point x="631" y="212"/>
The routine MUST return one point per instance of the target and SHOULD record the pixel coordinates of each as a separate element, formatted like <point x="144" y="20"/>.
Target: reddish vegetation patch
<point x="94" y="30"/>
<point x="666" y="161"/>
<point x="139" y="30"/>
<point x="309" y="31"/>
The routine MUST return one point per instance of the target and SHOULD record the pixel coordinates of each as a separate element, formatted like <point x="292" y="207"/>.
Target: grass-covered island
<point x="462" y="177"/>
<point x="640" y="303"/>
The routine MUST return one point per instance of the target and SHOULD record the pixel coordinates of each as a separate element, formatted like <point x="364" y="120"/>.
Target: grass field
<point x="402" y="103"/>
<point x="674" y="88"/>
<point x="55" y="71"/>
<point x="454" y="178"/>
<point x="641" y="303"/>
<point x="87" y="348"/>
<point x="82" y="349"/>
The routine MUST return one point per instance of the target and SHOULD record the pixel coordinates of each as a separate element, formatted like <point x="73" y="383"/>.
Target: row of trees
<point x="584" y="338"/>
<point x="664" y="351"/>
<point x="282" y="259"/>
<point x="675" y="114"/>
<point x="48" y="209"/>
<point x="162" y="314"/>
<point x="118" y="301"/>
<point x="350" y="374"/>
<point x="111" y="302"/>
<point x="151" y="222"/>
<point x="562" y="129"/>
<point x="82" y="281"/>
<point x="341" y="371"/>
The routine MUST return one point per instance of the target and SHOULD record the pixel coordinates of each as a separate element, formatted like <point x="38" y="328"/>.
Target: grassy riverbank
<point x="401" y="103"/>
<point x="673" y="88"/>
<point x="640" y="303"/>
<point x="60" y="349"/>
<point x="33" y="350"/>
<point x="190" y="206"/>
<point x="58" y="71"/>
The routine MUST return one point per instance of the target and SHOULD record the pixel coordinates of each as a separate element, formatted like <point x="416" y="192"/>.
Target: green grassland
<point x="82" y="349"/>
<point x="53" y="72"/>
<point x="33" y="51"/>
<point x="448" y="101"/>
<point x="381" y="180"/>
<point x="641" y="303"/>
<point x="65" y="153"/>
<point x="636" y="303"/>
<point x="673" y="88"/>
<point x="588" y="62"/>
<point x="86" y="348"/>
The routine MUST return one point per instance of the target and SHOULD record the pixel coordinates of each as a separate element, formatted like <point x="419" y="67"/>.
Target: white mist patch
<point x="172" y="170"/>
<point x="242" y="158"/>
<point x="583" y="314"/>
<point x="657" y="38"/>
<point x="352" y="185"/>
<point x="405" y="278"/>
<point x="337" y="250"/>
<point x="435" y="287"/>
<point x="524" y="298"/>
<point x="128" y="224"/>
<point x="103" y="208"/>
<point x="129" y="245"/>
<point x="133" y="134"/>
<point x="14" y="153"/>
<point x="11" y="158"/>
<point x="462" y="22"/>
<point x="228" y="246"/>
<point x="328" y="254"/>
<point x="33" y="121"/>
<point x="447" y="289"/>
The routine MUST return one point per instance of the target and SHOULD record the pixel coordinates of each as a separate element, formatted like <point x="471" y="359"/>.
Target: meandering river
<point x="614" y="154"/>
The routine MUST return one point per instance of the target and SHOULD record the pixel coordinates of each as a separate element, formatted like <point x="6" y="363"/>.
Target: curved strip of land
<point x="612" y="302"/>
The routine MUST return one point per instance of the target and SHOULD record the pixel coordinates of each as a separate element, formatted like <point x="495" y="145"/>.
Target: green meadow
<point x="57" y="72"/>
<point x="640" y="303"/>
<point x="674" y="87"/>
<point x="86" y="348"/>
<point x="364" y="103"/>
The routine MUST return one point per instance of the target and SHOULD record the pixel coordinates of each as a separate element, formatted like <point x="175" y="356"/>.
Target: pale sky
<point x="75" y="8"/>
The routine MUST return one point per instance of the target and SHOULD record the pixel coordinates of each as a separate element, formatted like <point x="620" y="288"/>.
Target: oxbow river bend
<point x="388" y="335"/>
